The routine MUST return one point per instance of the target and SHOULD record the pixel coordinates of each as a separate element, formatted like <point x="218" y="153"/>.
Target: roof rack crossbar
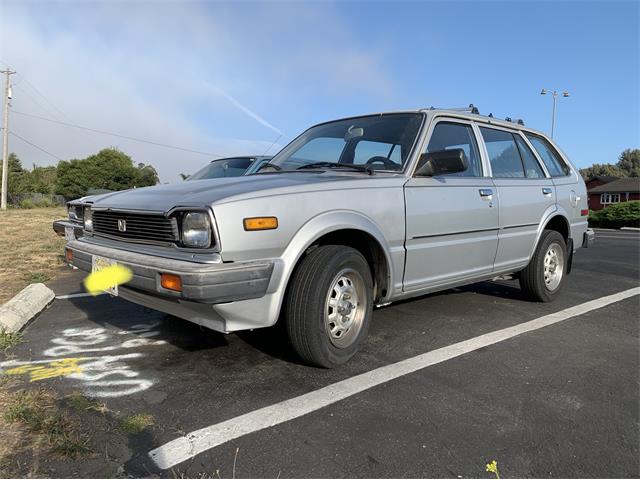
<point x="471" y="108"/>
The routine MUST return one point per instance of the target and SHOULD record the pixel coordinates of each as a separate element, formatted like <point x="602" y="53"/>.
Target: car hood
<point x="198" y="193"/>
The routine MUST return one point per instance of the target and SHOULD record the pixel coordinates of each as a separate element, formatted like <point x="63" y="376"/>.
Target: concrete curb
<point x="18" y="311"/>
<point x="630" y="228"/>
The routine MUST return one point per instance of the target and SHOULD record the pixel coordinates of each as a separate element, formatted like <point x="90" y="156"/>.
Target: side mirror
<point x="441" y="163"/>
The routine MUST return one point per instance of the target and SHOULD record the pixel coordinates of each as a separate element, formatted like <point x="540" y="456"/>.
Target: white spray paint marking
<point x="184" y="448"/>
<point x="104" y="375"/>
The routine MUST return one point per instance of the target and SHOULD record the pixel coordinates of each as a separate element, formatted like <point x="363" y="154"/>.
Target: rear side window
<point x="551" y="158"/>
<point x="531" y="166"/>
<point x="447" y="136"/>
<point x="503" y="153"/>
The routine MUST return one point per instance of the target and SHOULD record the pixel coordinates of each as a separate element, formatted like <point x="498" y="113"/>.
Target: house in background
<point x="617" y="191"/>
<point x="599" y="180"/>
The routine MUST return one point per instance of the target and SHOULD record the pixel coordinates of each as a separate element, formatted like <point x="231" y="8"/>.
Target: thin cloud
<point x="243" y="108"/>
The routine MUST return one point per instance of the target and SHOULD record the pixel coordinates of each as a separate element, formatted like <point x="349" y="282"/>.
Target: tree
<point x="147" y="175"/>
<point x="628" y="165"/>
<point x="16" y="175"/>
<point x="629" y="162"/>
<point x="109" y="169"/>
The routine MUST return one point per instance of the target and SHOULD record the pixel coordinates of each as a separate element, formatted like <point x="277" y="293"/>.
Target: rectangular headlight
<point x="88" y="219"/>
<point x="196" y="230"/>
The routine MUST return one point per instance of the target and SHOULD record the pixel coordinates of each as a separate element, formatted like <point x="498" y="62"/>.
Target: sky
<point x="243" y="78"/>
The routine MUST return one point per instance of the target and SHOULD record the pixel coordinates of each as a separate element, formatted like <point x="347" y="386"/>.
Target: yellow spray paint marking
<point x="106" y="278"/>
<point x="54" y="368"/>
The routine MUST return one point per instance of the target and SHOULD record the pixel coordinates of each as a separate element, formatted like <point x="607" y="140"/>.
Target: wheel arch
<point x="555" y="220"/>
<point x="344" y="228"/>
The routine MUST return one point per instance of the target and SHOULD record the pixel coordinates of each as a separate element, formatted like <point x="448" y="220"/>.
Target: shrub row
<point x="626" y="214"/>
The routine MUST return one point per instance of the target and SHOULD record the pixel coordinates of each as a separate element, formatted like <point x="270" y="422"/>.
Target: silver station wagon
<point x="352" y="214"/>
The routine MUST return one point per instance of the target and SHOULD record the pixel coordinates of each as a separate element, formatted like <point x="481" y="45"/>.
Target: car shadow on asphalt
<point x="505" y="289"/>
<point x="109" y="312"/>
<point x="105" y="311"/>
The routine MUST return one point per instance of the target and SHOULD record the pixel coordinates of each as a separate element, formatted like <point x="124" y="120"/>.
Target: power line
<point x="42" y="96"/>
<point x="35" y="100"/>
<point x="104" y="132"/>
<point x="34" y="145"/>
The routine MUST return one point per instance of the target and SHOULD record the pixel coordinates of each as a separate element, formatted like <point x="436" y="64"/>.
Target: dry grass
<point x="34" y="426"/>
<point x="31" y="251"/>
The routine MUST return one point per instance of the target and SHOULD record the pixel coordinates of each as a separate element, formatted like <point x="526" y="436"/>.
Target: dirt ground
<point x="31" y="251"/>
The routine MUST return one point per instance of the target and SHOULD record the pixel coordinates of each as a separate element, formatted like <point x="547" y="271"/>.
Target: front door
<point x="452" y="220"/>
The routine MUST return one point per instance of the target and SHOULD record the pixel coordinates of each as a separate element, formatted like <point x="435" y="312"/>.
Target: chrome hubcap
<point x="553" y="266"/>
<point x="345" y="308"/>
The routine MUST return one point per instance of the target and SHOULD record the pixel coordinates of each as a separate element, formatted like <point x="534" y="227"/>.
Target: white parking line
<point x="190" y="445"/>
<point x="78" y="295"/>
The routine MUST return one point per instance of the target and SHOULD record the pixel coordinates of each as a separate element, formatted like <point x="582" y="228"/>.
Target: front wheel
<point x="543" y="278"/>
<point x="329" y="305"/>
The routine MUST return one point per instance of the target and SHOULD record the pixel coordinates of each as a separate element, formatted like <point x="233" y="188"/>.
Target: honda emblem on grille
<point x="122" y="225"/>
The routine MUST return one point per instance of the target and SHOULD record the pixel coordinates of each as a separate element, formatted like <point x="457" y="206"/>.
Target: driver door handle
<point x="546" y="191"/>
<point x="485" y="192"/>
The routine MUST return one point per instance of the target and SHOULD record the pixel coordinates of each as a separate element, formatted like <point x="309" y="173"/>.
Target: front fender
<point x="323" y="224"/>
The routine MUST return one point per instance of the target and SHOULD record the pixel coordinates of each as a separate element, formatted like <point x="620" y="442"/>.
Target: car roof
<point x="462" y="113"/>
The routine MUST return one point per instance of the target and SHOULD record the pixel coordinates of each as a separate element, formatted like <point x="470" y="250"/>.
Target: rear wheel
<point x="543" y="278"/>
<point x="329" y="305"/>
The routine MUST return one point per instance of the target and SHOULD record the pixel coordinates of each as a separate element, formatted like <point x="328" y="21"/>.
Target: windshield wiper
<point x="360" y="168"/>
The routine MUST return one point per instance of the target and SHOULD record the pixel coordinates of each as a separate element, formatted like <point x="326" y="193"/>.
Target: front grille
<point x="153" y="228"/>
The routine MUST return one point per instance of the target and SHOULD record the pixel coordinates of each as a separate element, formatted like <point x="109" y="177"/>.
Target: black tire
<point x="532" y="278"/>
<point x="307" y="304"/>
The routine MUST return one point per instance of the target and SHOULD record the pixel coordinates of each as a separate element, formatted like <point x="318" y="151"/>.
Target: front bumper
<point x="59" y="226"/>
<point x="589" y="238"/>
<point x="211" y="283"/>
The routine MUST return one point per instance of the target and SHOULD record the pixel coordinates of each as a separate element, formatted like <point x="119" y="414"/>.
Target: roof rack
<point x="473" y="109"/>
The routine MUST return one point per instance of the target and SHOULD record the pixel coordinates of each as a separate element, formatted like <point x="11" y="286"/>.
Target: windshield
<point x="380" y="142"/>
<point x="225" y="167"/>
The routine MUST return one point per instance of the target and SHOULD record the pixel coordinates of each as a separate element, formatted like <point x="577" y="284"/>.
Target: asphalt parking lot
<point x="561" y="400"/>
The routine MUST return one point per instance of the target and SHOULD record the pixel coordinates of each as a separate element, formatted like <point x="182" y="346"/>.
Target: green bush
<point x="27" y="204"/>
<point x="44" y="202"/>
<point x="626" y="214"/>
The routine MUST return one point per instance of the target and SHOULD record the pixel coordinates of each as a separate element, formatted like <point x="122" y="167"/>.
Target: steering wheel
<point x="388" y="164"/>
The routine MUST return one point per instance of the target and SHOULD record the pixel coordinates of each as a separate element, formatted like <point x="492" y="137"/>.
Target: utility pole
<point x="5" y="138"/>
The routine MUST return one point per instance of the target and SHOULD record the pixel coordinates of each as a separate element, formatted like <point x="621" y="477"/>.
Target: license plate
<point x="69" y="233"/>
<point x="97" y="264"/>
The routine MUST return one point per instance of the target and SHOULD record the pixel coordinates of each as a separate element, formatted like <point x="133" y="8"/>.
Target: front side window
<point x="225" y="167"/>
<point x="551" y="158"/>
<point x="389" y="139"/>
<point x="503" y="153"/>
<point x="448" y="136"/>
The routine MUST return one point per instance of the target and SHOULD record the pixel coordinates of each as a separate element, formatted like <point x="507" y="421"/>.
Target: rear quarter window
<point x="551" y="158"/>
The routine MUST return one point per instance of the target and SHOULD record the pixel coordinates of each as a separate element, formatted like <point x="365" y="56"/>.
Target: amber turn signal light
<point x="260" y="223"/>
<point x="69" y="255"/>
<point x="171" y="282"/>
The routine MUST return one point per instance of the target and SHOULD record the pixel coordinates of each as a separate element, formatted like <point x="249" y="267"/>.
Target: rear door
<point x="452" y="220"/>
<point x="526" y="194"/>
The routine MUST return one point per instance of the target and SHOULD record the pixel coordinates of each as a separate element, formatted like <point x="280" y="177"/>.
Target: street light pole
<point x="554" y="95"/>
